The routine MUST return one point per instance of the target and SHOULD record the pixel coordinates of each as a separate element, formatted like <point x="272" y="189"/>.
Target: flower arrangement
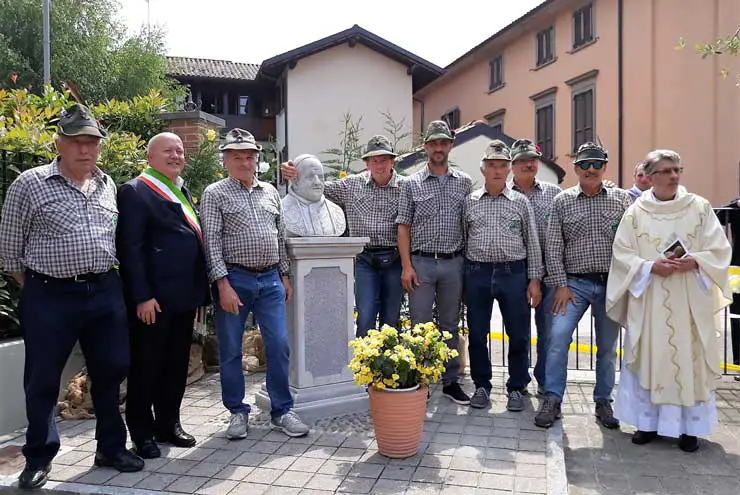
<point x="387" y="358"/>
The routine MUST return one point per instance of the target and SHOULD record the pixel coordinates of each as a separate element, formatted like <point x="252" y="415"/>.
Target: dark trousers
<point x="735" y="325"/>
<point x="378" y="295"/>
<point x="54" y="315"/>
<point x="160" y="354"/>
<point x="506" y="283"/>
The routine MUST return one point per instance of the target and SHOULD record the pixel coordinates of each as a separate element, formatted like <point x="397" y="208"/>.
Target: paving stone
<point x="337" y="467"/>
<point x="263" y="475"/>
<point x="436" y="461"/>
<point x="293" y="479"/>
<point x="250" y="459"/>
<point x="403" y="473"/>
<point x="416" y="488"/>
<point x="97" y="476"/>
<point x="307" y="464"/>
<point x="278" y="462"/>
<point x="324" y="482"/>
<point x="178" y="466"/>
<point x="429" y="475"/>
<point x="234" y="473"/>
<point x="207" y="469"/>
<point x="127" y="480"/>
<point x="249" y="489"/>
<point x="187" y="484"/>
<point x="352" y="484"/>
<point x="390" y="487"/>
<point x="156" y="481"/>
<point x="461" y="478"/>
<point x="530" y="485"/>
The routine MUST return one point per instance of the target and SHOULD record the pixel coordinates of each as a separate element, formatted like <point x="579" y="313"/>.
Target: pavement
<point x="463" y="451"/>
<point x="601" y="461"/>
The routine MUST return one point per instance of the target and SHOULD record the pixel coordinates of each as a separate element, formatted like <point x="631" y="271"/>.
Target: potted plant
<point x="397" y="367"/>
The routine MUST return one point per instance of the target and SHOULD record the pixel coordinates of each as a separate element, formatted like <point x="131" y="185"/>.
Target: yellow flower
<point x="210" y="135"/>
<point x="343" y="174"/>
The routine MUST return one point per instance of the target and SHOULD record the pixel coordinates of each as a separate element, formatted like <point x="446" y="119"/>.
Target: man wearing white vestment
<point x="667" y="286"/>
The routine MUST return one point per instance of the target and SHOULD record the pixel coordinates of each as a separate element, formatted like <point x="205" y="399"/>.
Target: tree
<point x="89" y="47"/>
<point x="350" y="148"/>
<point x="727" y="45"/>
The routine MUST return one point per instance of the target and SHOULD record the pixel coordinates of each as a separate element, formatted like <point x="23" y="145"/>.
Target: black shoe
<point x="147" y="449"/>
<point x="548" y="413"/>
<point x="177" y="437"/>
<point x="456" y="394"/>
<point x="605" y="415"/>
<point x="642" y="437"/>
<point x="32" y="478"/>
<point x="688" y="443"/>
<point x="125" y="461"/>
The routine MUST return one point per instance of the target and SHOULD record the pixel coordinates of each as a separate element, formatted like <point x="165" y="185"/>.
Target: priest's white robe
<point x="671" y="359"/>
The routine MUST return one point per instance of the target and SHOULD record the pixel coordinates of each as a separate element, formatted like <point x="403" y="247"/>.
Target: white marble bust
<point x="306" y="211"/>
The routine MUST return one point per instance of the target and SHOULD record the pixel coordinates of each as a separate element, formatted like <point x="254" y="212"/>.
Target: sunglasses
<point x="597" y="165"/>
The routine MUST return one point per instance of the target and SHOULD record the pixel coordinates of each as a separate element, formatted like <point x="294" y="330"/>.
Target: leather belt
<point x="437" y="256"/>
<point x="83" y="278"/>
<point x="261" y="269"/>
<point x="380" y="249"/>
<point x="598" y="277"/>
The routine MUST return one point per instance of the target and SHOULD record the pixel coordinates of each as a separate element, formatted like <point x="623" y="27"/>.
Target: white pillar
<point x="321" y="324"/>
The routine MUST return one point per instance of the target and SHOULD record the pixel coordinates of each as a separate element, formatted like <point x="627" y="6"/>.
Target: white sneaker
<point x="238" y="426"/>
<point x="290" y="424"/>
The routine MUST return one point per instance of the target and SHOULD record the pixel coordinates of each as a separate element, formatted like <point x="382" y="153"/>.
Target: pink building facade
<point x="608" y="71"/>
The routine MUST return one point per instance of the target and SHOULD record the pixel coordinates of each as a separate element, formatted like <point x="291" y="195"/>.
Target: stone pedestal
<point x="320" y="327"/>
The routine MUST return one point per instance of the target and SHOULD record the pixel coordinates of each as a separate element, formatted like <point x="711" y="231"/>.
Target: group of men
<point x="125" y="271"/>
<point x="527" y="244"/>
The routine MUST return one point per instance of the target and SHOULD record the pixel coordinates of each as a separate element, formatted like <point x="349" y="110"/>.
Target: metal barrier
<point x="582" y="354"/>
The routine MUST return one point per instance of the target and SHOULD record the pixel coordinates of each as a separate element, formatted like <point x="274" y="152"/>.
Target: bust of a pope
<point x="306" y="211"/>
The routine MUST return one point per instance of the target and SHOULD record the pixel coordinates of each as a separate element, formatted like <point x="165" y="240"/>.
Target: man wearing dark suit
<point x="165" y="282"/>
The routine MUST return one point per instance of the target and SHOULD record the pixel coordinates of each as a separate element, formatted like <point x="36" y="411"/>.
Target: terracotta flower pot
<point x="398" y="418"/>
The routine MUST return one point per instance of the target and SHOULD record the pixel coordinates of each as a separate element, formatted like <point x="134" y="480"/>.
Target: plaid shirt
<point x="242" y="227"/>
<point x="50" y="226"/>
<point x="499" y="229"/>
<point x="371" y="209"/>
<point x="434" y="210"/>
<point x="581" y="232"/>
<point x="540" y="196"/>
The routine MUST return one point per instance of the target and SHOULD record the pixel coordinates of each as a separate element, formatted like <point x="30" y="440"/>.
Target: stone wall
<point x="191" y="126"/>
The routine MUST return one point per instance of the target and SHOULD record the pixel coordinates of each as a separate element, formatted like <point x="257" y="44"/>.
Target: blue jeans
<point x="264" y="295"/>
<point x="543" y="321"/>
<point x="378" y="292"/>
<point x="587" y="293"/>
<point x="507" y="283"/>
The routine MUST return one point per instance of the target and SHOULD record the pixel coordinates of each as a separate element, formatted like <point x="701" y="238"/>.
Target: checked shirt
<point x="581" y="232"/>
<point x="371" y="209"/>
<point x="433" y="206"/>
<point x="502" y="229"/>
<point x="49" y="225"/>
<point x="242" y="227"/>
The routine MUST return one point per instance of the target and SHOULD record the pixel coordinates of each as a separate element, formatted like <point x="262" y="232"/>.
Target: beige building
<point x="607" y="70"/>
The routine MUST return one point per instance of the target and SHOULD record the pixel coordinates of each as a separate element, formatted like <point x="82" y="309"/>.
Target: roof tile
<point x="203" y="67"/>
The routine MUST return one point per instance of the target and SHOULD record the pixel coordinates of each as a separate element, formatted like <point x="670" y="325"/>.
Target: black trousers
<point x="54" y="315"/>
<point x="735" y="326"/>
<point x="160" y="354"/>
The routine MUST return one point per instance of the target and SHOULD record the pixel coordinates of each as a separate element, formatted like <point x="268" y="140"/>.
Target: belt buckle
<point x="80" y="279"/>
<point x="436" y="256"/>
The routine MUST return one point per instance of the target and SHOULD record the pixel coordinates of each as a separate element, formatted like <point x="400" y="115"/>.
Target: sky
<point x="436" y="30"/>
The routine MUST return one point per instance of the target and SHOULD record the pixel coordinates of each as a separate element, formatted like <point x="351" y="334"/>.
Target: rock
<point x="196" y="369"/>
<point x="253" y="351"/>
<point x="77" y="402"/>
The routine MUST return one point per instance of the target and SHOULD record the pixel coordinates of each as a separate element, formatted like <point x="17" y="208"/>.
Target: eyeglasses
<point x="669" y="171"/>
<point x="596" y="164"/>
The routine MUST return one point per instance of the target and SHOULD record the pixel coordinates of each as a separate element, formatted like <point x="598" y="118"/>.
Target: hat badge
<point x="239" y="139"/>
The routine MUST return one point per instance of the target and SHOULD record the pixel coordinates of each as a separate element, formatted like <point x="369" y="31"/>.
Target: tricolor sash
<point x="165" y="188"/>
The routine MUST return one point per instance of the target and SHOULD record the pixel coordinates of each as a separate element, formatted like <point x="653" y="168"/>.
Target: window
<point x="545" y="127"/>
<point x="496" y="121"/>
<point x="545" y="46"/>
<point x="583" y="117"/>
<point x="583" y="26"/>
<point x="497" y="73"/>
<point x="452" y="118"/>
<point x="544" y="121"/>
<point x="243" y="105"/>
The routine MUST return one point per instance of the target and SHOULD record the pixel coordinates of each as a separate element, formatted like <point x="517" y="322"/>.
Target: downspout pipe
<point x="421" y="112"/>
<point x="620" y="90"/>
